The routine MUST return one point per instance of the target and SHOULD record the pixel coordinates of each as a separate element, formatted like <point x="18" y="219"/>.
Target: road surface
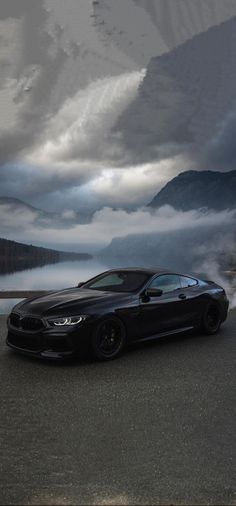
<point x="156" y="426"/>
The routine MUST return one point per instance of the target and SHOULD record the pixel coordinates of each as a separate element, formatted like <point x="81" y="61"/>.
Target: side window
<point x="187" y="282"/>
<point x="166" y="282"/>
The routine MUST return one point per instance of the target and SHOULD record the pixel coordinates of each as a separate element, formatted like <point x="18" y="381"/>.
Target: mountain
<point x="185" y="95"/>
<point x="142" y="29"/>
<point x="15" y="256"/>
<point x="195" y="190"/>
<point x="194" y="249"/>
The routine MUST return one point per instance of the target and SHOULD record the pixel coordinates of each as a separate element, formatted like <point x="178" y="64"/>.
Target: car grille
<point x="24" y="342"/>
<point x="28" y="323"/>
<point x="15" y="320"/>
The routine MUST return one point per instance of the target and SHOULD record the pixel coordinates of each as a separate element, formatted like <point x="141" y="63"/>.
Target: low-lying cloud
<point x="106" y="224"/>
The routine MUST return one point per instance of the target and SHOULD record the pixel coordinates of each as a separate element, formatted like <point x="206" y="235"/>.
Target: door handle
<point x="182" y="296"/>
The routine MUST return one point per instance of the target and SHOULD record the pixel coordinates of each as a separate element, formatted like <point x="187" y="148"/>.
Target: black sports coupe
<point x="117" y="307"/>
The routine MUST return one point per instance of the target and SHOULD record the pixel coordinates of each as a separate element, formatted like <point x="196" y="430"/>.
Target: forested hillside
<point x="16" y="256"/>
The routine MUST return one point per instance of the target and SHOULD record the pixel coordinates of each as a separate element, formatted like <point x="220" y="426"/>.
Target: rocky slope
<point x="195" y="190"/>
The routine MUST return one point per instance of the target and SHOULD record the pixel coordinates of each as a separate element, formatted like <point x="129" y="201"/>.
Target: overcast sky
<point x="69" y="71"/>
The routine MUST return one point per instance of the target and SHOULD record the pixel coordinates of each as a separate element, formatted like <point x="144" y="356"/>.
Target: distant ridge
<point x="185" y="94"/>
<point x="15" y="256"/>
<point x="196" y="190"/>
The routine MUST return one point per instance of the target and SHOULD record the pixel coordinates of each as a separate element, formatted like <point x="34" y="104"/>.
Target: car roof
<point x="148" y="270"/>
<point x="154" y="270"/>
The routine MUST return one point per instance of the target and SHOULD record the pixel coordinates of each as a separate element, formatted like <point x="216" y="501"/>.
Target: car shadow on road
<point x="190" y="338"/>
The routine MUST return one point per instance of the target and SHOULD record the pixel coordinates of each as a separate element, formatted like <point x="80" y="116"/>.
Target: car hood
<point x="70" y="298"/>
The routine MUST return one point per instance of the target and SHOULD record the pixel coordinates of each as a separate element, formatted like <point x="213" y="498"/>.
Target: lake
<point x="48" y="277"/>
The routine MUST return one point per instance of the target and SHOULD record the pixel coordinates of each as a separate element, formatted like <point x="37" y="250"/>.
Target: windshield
<point x="118" y="281"/>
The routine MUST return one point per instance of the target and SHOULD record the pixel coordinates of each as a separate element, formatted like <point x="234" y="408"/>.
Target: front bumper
<point x="49" y="342"/>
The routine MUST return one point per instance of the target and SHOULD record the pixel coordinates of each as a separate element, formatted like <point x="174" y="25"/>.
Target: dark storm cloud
<point x="30" y="182"/>
<point x="31" y="102"/>
<point x="221" y="152"/>
<point x="75" y="147"/>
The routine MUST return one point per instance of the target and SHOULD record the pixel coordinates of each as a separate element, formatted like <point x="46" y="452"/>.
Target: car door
<point x="166" y="312"/>
<point x="194" y="303"/>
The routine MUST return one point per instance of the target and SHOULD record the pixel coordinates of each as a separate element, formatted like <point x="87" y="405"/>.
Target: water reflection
<point x="11" y="265"/>
<point x="54" y="276"/>
<point x="57" y="275"/>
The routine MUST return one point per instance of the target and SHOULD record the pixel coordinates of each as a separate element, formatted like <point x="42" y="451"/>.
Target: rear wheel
<point x="108" y="339"/>
<point x="211" y="319"/>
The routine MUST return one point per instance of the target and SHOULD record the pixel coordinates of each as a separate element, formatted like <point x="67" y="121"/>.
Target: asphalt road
<point x="156" y="426"/>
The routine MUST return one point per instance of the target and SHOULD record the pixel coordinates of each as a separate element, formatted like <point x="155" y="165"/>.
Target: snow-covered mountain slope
<point x="185" y="95"/>
<point x="142" y="29"/>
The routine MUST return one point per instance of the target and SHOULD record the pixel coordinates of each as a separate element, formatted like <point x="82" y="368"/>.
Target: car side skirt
<point x="164" y="334"/>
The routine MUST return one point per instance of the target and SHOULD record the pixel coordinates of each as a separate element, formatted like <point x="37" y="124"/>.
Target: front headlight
<point x="66" y="320"/>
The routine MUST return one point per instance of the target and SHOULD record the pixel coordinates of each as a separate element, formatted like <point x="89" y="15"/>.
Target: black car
<point x="117" y="307"/>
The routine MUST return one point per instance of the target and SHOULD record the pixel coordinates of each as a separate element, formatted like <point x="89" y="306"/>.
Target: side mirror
<point x="154" y="292"/>
<point x="80" y="284"/>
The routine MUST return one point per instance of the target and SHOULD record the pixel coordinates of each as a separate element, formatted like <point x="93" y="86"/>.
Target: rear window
<point x="187" y="282"/>
<point x="166" y="282"/>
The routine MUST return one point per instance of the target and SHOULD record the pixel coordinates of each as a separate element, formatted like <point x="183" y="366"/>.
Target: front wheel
<point x="211" y="321"/>
<point x="108" y="339"/>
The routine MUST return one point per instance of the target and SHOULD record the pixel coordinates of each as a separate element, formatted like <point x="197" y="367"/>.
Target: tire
<point x="108" y="339"/>
<point x="211" y="321"/>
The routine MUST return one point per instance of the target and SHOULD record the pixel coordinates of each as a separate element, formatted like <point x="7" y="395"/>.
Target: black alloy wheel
<point x="108" y="339"/>
<point x="211" y="319"/>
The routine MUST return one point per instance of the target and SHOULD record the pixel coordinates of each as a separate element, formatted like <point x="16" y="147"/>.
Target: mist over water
<point x="56" y="276"/>
<point x="203" y="250"/>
